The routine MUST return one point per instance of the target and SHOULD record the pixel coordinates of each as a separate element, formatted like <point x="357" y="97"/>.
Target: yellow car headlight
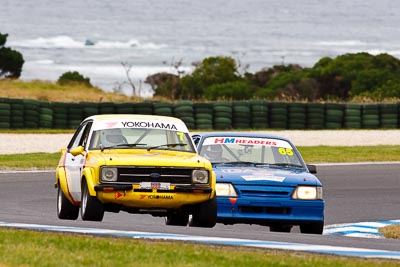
<point x="308" y="193"/>
<point x="109" y="174"/>
<point x="225" y="189"/>
<point x="200" y="177"/>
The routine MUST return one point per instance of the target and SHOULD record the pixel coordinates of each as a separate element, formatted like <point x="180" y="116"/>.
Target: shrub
<point x="73" y="77"/>
<point x="237" y="90"/>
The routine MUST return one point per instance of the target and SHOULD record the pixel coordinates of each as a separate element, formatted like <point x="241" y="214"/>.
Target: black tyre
<point x="222" y="120"/>
<point x="241" y="126"/>
<point x="352" y="112"/>
<point x="65" y="209"/>
<point x="260" y="125"/>
<point x="203" y="121"/>
<point x="220" y="114"/>
<point x="278" y="117"/>
<point x="163" y="111"/>
<point x="183" y="109"/>
<point x="333" y="125"/>
<point x="205" y="126"/>
<point x="203" y="116"/>
<point x="297" y="125"/>
<point x="260" y="119"/>
<point x="218" y="108"/>
<point x="187" y="119"/>
<point x="91" y="208"/>
<point x="89" y="111"/>
<point x="105" y="108"/>
<point x="178" y="218"/>
<point x="124" y="108"/>
<point x="312" y="228"/>
<point x="352" y="125"/>
<point x="205" y="214"/>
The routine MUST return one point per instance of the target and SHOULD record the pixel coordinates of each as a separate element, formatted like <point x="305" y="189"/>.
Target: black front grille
<point x="264" y="191"/>
<point x="260" y="210"/>
<point x="156" y="174"/>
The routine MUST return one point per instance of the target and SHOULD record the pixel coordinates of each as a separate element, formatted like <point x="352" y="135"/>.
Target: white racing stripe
<point x="333" y="250"/>
<point x="361" y="229"/>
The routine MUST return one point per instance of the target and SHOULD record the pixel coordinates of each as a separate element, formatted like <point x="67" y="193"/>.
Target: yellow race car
<point x="138" y="164"/>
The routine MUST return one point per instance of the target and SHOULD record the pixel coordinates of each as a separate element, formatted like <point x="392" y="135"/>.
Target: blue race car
<point x="262" y="179"/>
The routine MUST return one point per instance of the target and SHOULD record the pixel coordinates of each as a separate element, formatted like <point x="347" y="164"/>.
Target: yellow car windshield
<point x="141" y="139"/>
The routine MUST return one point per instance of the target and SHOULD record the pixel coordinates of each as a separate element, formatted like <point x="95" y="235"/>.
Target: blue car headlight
<point x="307" y="192"/>
<point x="225" y="190"/>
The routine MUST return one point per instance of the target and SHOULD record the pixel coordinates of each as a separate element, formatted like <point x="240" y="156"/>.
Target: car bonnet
<point x="143" y="157"/>
<point x="264" y="175"/>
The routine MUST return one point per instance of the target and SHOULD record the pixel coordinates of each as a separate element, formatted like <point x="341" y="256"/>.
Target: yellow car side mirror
<point x="77" y="151"/>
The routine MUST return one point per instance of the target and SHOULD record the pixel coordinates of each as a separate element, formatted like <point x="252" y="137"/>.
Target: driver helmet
<point x="213" y="152"/>
<point x="111" y="137"/>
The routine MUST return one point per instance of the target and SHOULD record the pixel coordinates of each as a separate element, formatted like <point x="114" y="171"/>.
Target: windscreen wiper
<point x="167" y="145"/>
<point x="123" y="145"/>
<point x="235" y="162"/>
<point x="286" y="165"/>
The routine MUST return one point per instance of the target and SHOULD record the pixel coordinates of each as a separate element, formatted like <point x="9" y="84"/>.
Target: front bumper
<point x="129" y="196"/>
<point x="266" y="211"/>
<point x="126" y="187"/>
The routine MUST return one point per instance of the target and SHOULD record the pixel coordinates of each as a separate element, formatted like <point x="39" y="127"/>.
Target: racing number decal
<point x="286" y="151"/>
<point x="180" y="136"/>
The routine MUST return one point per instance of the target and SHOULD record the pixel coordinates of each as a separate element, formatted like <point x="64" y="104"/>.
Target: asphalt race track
<point x="353" y="193"/>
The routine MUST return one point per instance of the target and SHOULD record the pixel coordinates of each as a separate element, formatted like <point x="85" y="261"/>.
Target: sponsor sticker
<point x="157" y="197"/>
<point x="255" y="172"/>
<point x="146" y="123"/>
<point x="263" y="178"/>
<point x="247" y="141"/>
<point x="119" y="195"/>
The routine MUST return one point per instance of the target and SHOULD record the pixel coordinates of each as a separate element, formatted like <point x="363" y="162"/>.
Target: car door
<point x="74" y="163"/>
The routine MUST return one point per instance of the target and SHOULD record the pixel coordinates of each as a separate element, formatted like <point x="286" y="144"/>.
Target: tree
<point x="211" y="71"/>
<point x="284" y="82"/>
<point x="351" y="75"/>
<point x="3" y="39"/>
<point x="339" y="78"/>
<point x="119" y="86"/>
<point x="165" y="84"/>
<point x="389" y="89"/>
<point x="11" y="61"/>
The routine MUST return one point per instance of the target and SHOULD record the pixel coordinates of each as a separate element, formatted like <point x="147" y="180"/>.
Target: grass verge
<point x="319" y="154"/>
<point x="29" y="248"/>
<point x="43" y="249"/>
<point x="29" y="161"/>
<point x="49" y="91"/>
<point x="314" y="154"/>
<point x="390" y="231"/>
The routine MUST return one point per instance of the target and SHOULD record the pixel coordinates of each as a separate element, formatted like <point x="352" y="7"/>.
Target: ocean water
<point x="96" y="37"/>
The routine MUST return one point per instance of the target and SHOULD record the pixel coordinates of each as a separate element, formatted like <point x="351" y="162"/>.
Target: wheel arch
<point x="88" y="178"/>
<point x="61" y="181"/>
<point x="213" y="185"/>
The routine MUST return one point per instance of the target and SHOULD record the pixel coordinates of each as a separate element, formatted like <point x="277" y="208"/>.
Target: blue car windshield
<point x="250" y="150"/>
